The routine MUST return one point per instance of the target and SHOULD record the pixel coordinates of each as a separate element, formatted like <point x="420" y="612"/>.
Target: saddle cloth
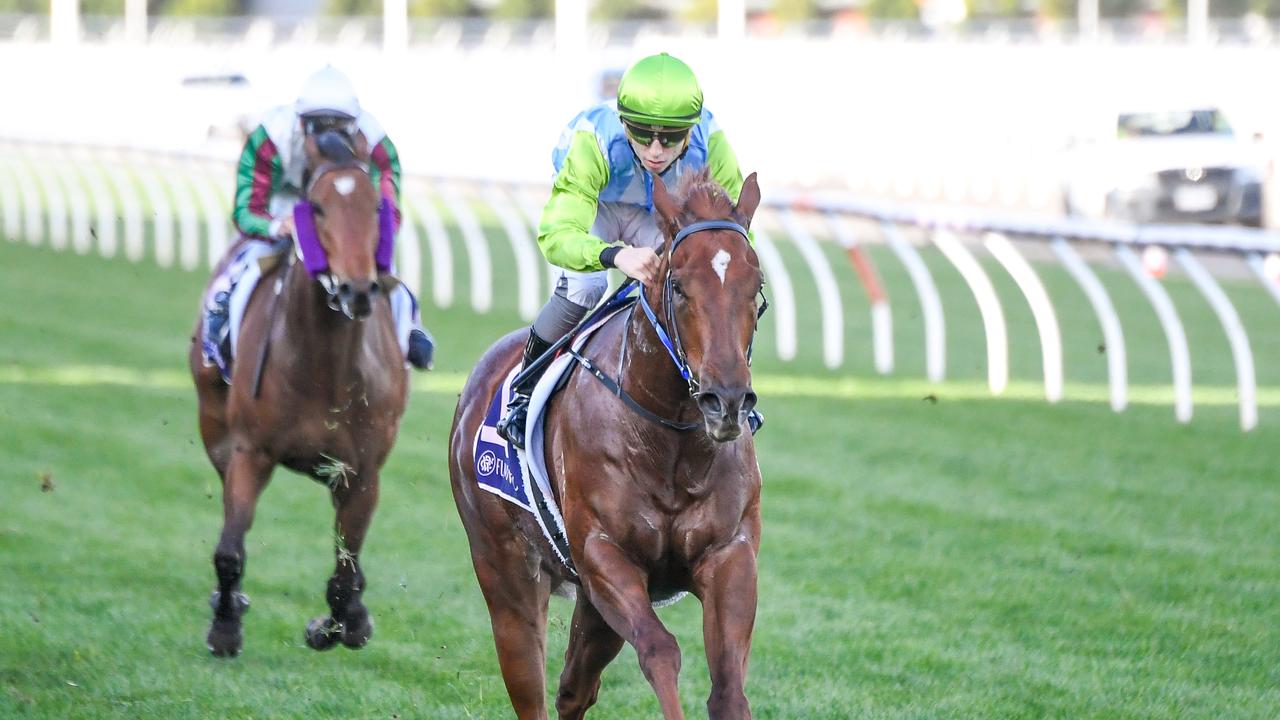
<point x="521" y="477"/>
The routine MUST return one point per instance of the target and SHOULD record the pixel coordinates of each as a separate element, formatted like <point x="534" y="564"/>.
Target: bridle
<point x="308" y="247"/>
<point x="671" y="339"/>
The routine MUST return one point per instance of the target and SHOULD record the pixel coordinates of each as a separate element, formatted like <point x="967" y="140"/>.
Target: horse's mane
<point x="701" y="196"/>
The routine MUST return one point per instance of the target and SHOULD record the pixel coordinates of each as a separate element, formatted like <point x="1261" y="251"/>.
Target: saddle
<point x="229" y="294"/>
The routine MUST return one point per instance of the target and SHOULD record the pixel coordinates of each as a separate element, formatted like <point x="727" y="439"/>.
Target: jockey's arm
<point x="724" y="167"/>
<point x="257" y="175"/>
<point x="384" y="170"/>
<point x="564" y="232"/>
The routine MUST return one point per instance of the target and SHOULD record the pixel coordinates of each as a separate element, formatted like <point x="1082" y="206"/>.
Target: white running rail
<point x="1041" y="309"/>
<point x="1179" y="353"/>
<point x="1241" y="354"/>
<point x="66" y="196"/>
<point x="828" y="290"/>
<point x="988" y="305"/>
<point x="1112" y="335"/>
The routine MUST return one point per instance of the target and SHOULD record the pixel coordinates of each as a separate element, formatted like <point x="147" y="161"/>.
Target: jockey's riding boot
<point x="511" y="427"/>
<point x="216" y="342"/>
<point x="755" y="420"/>
<point x="422" y="349"/>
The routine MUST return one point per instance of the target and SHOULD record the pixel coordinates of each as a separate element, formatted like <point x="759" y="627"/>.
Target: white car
<point x="1170" y="166"/>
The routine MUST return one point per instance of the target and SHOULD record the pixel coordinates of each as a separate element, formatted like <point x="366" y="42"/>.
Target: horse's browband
<point x="328" y="167"/>
<point x="702" y="225"/>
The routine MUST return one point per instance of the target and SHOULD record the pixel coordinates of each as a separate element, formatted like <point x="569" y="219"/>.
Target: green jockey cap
<point x="660" y="90"/>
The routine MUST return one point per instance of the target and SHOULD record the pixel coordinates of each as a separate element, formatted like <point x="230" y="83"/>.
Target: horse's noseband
<point x="671" y="341"/>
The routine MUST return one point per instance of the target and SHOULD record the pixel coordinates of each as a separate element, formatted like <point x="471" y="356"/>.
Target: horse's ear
<point x="311" y="150"/>
<point x="360" y="144"/>
<point x="668" y="212"/>
<point x="748" y="200"/>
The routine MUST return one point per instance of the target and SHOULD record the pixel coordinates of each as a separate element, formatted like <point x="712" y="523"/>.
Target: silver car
<point x="1170" y="167"/>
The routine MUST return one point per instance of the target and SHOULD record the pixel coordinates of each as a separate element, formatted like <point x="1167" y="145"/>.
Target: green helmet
<point x="660" y="90"/>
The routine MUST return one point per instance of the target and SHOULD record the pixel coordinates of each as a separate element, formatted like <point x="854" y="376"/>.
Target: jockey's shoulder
<point x="371" y="128"/>
<point x="278" y="124"/>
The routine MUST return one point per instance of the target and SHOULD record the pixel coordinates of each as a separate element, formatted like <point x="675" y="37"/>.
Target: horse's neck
<point x="648" y="374"/>
<point x="319" y="335"/>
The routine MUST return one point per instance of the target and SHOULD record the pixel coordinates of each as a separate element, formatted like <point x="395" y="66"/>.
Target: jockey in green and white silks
<point x="269" y="179"/>
<point x="603" y="195"/>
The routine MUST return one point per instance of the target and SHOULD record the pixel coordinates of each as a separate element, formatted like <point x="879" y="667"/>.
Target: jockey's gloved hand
<point x="282" y="227"/>
<point x="639" y="263"/>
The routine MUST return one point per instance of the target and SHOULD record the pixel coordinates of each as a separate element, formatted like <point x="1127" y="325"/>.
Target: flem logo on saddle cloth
<point x="497" y="464"/>
<point x="314" y="258"/>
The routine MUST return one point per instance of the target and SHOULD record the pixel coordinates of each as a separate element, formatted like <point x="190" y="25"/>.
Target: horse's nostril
<point x="748" y="401"/>
<point x="373" y="288"/>
<point x="710" y="404"/>
<point x="344" y="288"/>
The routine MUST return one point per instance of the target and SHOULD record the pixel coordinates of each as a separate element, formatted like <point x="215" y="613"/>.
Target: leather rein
<point x="670" y="340"/>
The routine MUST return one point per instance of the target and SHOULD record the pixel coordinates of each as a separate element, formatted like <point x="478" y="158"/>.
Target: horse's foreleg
<point x="592" y="646"/>
<point x="619" y="591"/>
<point x="348" y="620"/>
<point x="246" y="475"/>
<point x="725" y="580"/>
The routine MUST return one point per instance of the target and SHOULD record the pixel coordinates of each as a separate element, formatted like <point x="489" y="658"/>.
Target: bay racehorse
<point x="319" y="386"/>
<point x="658" y="486"/>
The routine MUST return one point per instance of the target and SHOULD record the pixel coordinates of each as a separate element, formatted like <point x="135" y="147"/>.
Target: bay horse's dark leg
<point x="348" y="619"/>
<point x="725" y="581"/>
<point x="619" y="591"/>
<point x="592" y="646"/>
<point x="246" y="475"/>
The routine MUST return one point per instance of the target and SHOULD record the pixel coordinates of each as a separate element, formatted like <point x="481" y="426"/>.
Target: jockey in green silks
<point x="600" y="214"/>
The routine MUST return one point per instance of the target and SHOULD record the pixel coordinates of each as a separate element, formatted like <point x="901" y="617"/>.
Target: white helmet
<point x="328" y="92"/>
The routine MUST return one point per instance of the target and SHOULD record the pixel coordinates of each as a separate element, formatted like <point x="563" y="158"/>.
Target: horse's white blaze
<point x="344" y="185"/>
<point x="720" y="263"/>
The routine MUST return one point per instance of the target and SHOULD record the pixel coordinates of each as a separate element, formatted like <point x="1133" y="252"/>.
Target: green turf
<point x="969" y="558"/>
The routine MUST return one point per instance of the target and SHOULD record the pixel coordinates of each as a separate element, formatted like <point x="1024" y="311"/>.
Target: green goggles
<point x="669" y="137"/>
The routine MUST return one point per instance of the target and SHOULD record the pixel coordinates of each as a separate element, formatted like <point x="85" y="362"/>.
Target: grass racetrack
<point x="953" y="557"/>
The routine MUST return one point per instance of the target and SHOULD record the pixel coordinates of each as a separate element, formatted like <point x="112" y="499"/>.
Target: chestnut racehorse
<point x="318" y="386"/>
<point x="658" y="485"/>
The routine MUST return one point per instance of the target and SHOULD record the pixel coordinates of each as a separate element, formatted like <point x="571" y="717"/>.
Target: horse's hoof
<point x="225" y="638"/>
<point x="356" y="634"/>
<point x="239" y="600"/>
<point x="323" y="633"/>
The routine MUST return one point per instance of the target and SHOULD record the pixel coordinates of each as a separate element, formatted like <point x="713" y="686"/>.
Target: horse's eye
<point x="317" y="210"/>
<point x="677" y="288"/>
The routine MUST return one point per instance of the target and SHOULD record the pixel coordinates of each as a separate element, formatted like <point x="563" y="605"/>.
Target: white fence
<point x="70" y="197"/>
